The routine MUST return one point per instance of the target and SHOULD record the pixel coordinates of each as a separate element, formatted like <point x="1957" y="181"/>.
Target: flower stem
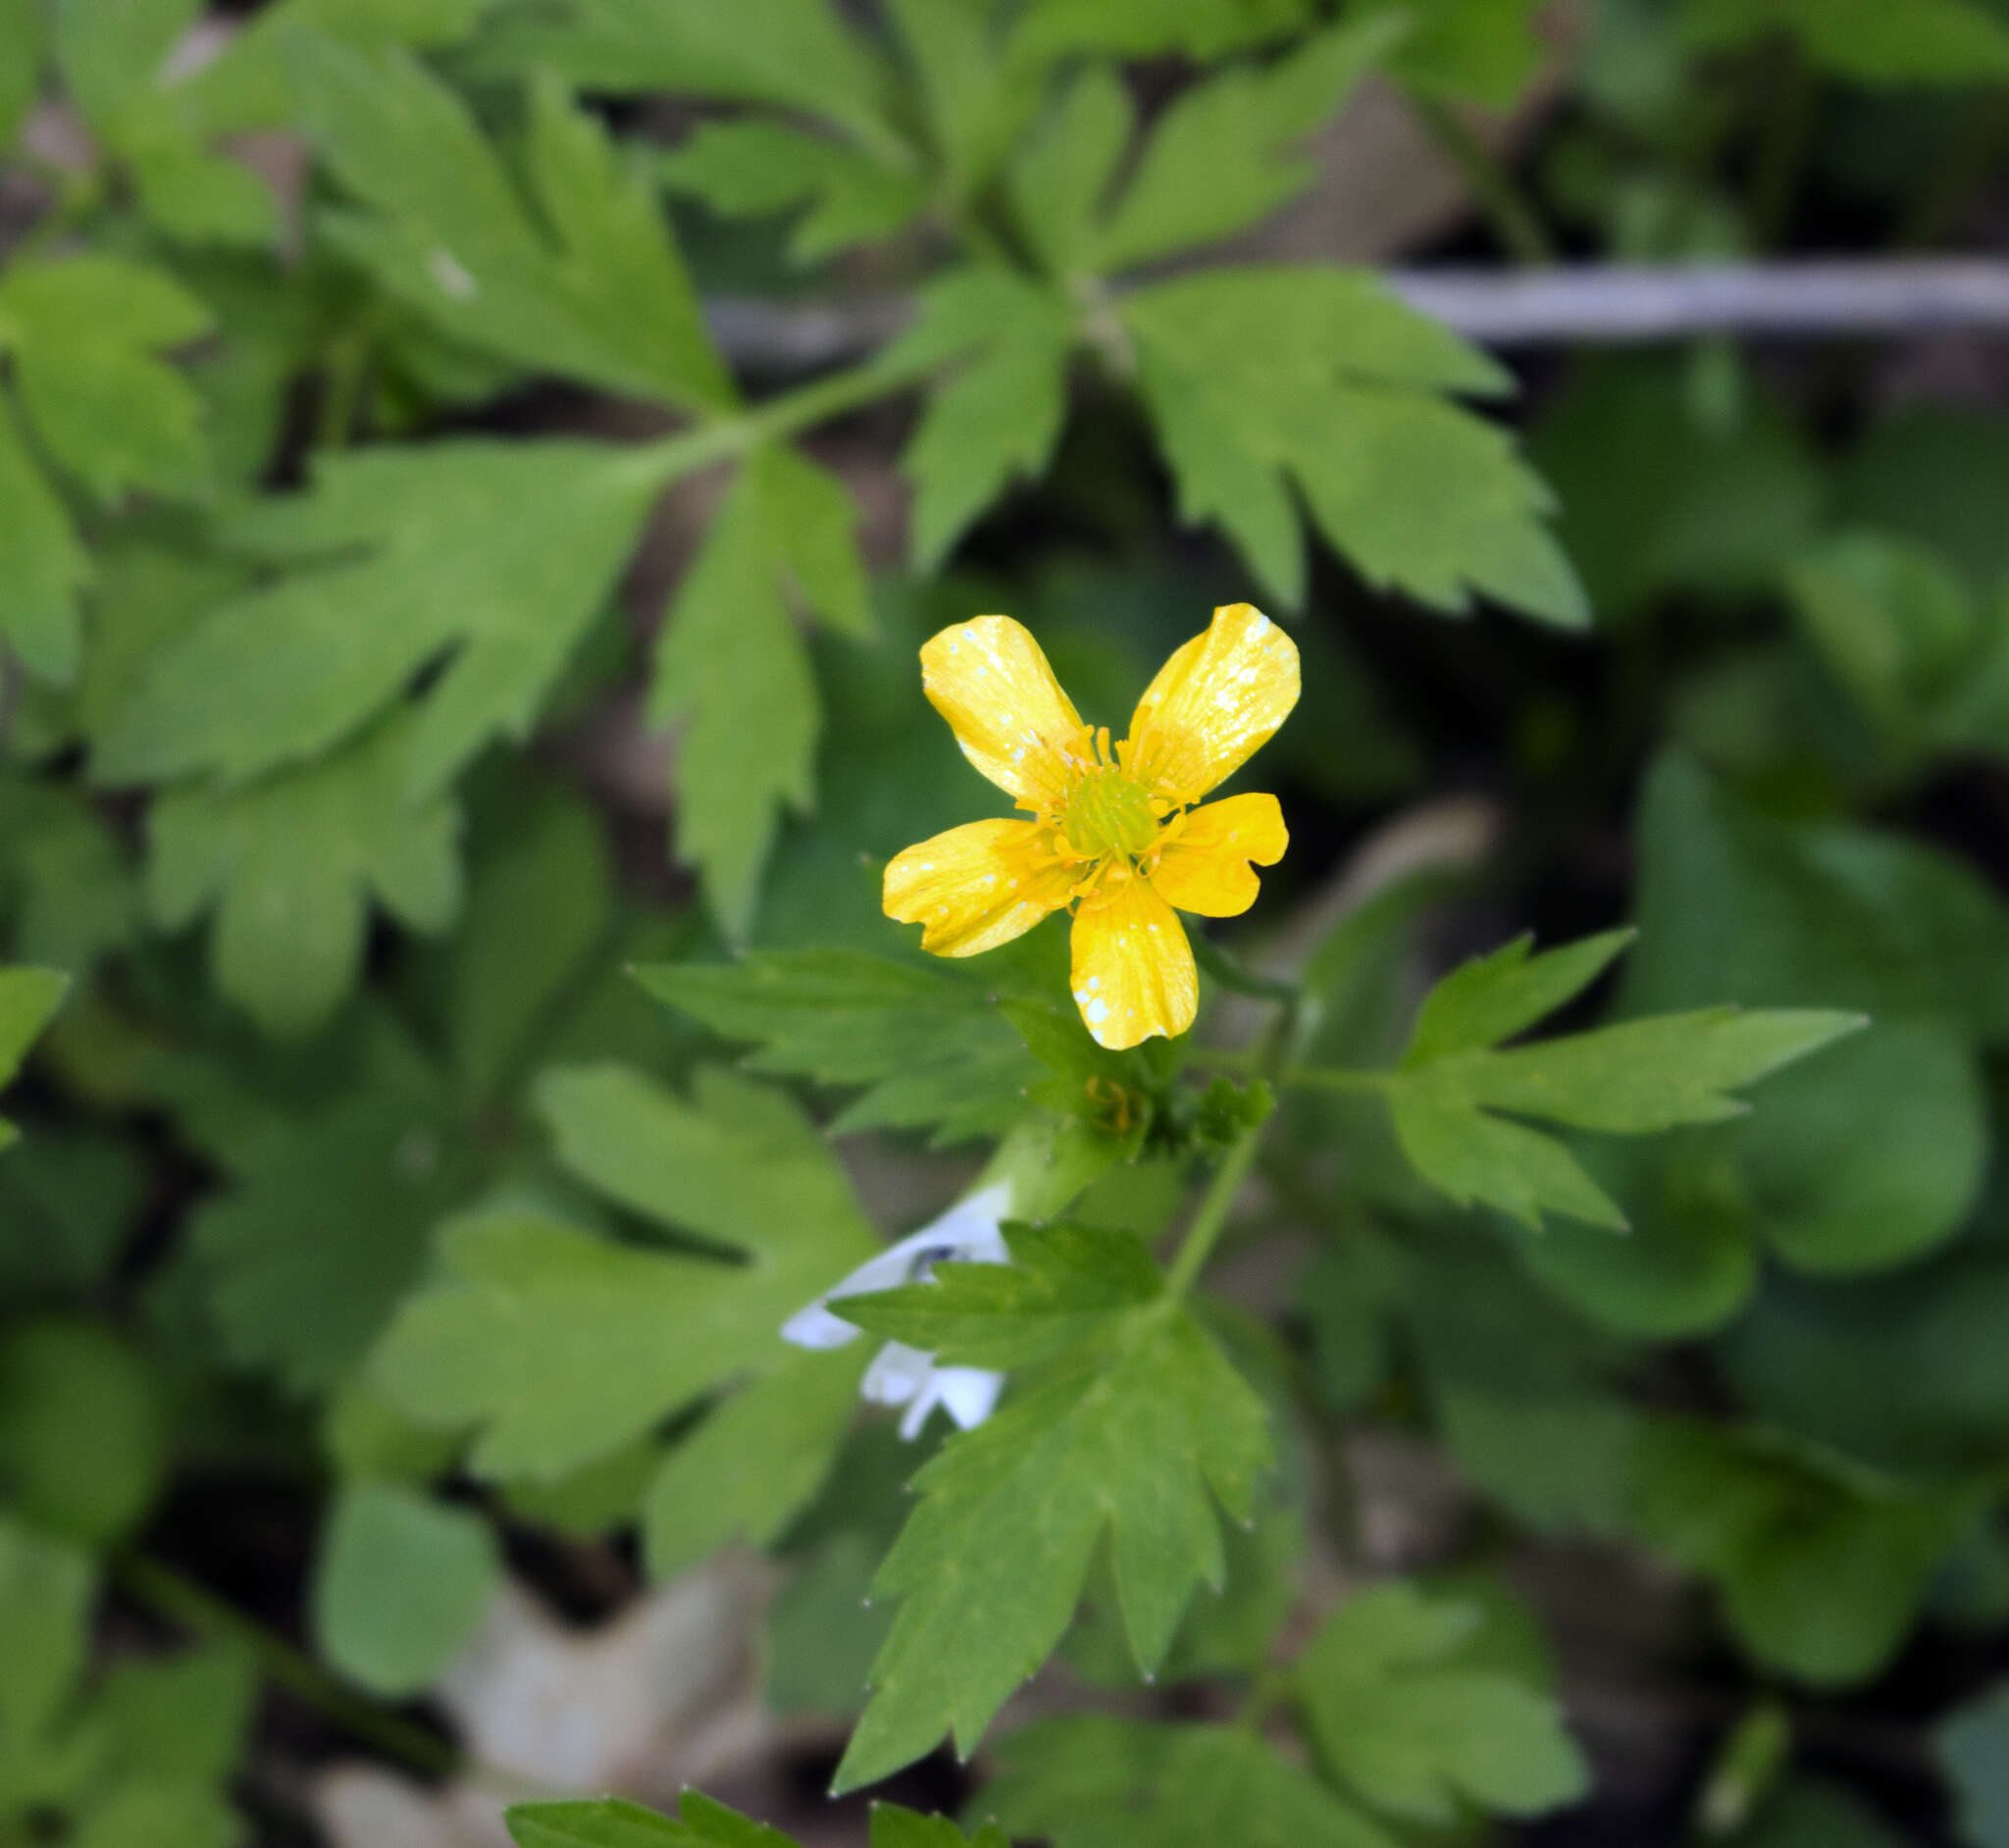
<point x="183" y="1601"/>
<point x="1212" y="1216"/>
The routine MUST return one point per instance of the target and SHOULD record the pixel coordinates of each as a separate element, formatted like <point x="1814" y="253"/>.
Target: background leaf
<point x="402" y="1583"/>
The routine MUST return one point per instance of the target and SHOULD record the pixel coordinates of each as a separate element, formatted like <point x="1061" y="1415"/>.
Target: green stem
<point x="1508" y="210"/>
<point x="690" y="450"/>
<point x="186" y="1603"/>
<point x="1212" y="1216"/>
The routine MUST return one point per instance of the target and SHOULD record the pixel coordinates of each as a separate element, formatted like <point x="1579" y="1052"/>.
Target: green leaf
<point x="1559" y="1463"/>
<point x="749" y="169"/>
<point x="754" y="1463"/>
<point x="1930" y="42"/>
<point x="976" y="93"/>
<point x="590" y="287"/>
<point x="196" y="197"/>
<point x="489" y="557"/>
<point x="1812" y="1813"/>
<point x="1201" y="29"/>
<point x="594" y="1822"/>
<point x="64" y="879"/>
<point x="28" y="999"/>
<point x="1090" y="1780"/>
<point x="42" y="566"/>
<point x="402" y="1584"/>
<point x="894" y="1828"/>
<point x="1419" y="1732"/>
<point x="1737" y="905"/>
<point x="1482" y="51"/>
<point x="996" y="417"/>
<point x="1654" y="503"/>
<point x="1494" y="996"/>
<point x="1820" y="1563"/>
<point x="1898" y="1370"/>
<point x="1907" y="640"/>
<point x="147" y="588"/>
<point x="291" y="864"/>
<point x="541" y="905"/>
<point x="795" y="53"/>
<point x="592" y="1502"/>
<point x="23" y="30"/>
<point x="1892" y="617"/>
<point x="83" y="1443"/>
<point x="991" y="1564"/>
<point x="1631" y="1079"/>
<point x="1644" y="1075"/>
<point x="68" y="1201"/>
<point x="699" y="1823"/>
<point x="82" y="332"/>
<point x="1933" y="474"/>
<point x="140" y="1812"/>
<point x="115" y="57"/>
<point x="823" y="1630"/>
<point x="731" y="664"/>
<point x="248" y="84"/>
<point x="1972" y="1745"/>
<point x="1259" y="377"/>
<point x="179" y="1719"/>
<point x="1065" y="1285"/>
<point x="112" y="51"/>
<point x="1062" y="178"/>
<point x="1689" y="1260"/>
<point x="927" y="1045"/>
<point x="1876" y="1151"/>
<point x="1220" y="159"/>
<point x="47" y="1589"/>
<point x="552" y="1339"/>
<point x="324" y="1227"/>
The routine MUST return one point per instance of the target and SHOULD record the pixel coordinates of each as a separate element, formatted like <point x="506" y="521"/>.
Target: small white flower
<point x="899" y="1375"/>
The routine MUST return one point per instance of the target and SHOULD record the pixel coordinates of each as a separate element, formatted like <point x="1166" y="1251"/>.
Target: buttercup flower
<point x="899" y="1375"/>
<point x="1115" y="835"/>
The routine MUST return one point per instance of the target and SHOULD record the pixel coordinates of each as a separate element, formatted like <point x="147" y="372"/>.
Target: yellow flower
<point x="1114" y="834"/>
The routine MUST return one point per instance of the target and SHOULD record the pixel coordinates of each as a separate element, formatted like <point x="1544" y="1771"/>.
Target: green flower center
<point x="1107" y="814"/>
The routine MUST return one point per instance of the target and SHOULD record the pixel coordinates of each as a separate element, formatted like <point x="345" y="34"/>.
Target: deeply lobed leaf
<point x="1635" y="1078"/>
<point x="992" y="1560"/>
<point x="927" y="1046"/>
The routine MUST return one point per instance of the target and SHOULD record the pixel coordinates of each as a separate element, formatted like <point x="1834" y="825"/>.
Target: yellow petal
<point x="1204" y="866"/>
<point x="1215" y="703"/>
<point x="977" y="885"/>
<point x="1133" y="967"/>
<point x="989" y="680"/>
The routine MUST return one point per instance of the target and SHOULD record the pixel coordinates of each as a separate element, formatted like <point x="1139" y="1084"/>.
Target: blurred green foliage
<point x="455" y="714"/>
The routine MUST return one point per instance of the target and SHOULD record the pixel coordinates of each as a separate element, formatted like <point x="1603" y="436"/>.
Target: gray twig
<point x="1596" y="304"/>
